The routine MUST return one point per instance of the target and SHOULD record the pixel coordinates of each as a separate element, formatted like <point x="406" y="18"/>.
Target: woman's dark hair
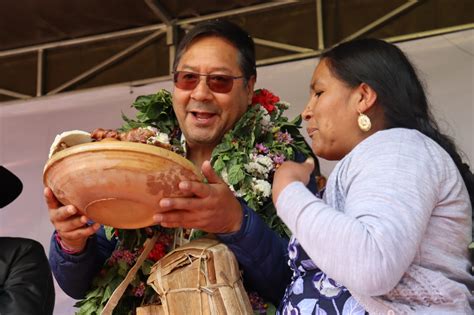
<point x="228" y="31"/>
<point x="386" y="69"/>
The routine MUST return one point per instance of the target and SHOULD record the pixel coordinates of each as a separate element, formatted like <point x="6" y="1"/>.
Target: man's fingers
<point x="51" y="200"/>
<point x="171" y="204"/>
<point x="71" y="224"/>
<point x="79" y="233"/>
<point x="198" y="189"/>
<point x="63" y="213"/>
<point x="176" y="218"/>
<point x="210" y="174"/>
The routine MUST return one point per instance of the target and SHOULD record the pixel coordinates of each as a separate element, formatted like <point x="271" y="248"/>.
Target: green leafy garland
<point x="246" y="159"/>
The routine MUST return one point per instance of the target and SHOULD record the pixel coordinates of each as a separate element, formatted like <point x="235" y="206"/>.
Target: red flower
<point x="266" y="99"/>
<point x="157" y="252"/>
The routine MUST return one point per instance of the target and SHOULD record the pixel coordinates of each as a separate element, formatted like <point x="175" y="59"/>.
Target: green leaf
<point x="271" y="309"/>
<point x="219" y="165"/>
<point x="236" y="174"/>
<point x="109" y="232"/>
<point x="88" y="308"/>
<point x="107" y="293"/>
<point x="146" y="266"/>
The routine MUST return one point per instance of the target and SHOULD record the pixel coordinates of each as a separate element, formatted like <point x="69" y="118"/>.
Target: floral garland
<point x="246" y="159"/>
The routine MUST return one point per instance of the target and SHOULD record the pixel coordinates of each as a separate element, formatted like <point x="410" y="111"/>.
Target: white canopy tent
<point x="27" y="128"/>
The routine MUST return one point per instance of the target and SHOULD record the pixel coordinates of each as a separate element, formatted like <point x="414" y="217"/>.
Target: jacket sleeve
<point x="74" y="273"/>
<point x="261" y="254"/>
<point x="26" y="284"/>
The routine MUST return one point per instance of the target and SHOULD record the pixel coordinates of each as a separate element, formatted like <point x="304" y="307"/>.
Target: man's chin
<point x="202" y="138"/>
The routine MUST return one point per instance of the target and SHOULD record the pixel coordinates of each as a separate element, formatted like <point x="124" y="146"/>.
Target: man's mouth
<point x="202" y="115"/>
<point x="203" y="118"/>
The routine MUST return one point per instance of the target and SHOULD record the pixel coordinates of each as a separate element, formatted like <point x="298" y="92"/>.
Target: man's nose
<point x="201" y="92"/>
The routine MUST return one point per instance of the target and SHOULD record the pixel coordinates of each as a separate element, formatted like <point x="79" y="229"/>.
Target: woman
<point x="391" y="234"/>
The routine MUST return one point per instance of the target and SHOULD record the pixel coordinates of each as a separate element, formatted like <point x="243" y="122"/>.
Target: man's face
<point x="204" y="115"/>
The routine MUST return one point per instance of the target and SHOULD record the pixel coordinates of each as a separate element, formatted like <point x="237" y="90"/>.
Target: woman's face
<point x="331" y="115"/>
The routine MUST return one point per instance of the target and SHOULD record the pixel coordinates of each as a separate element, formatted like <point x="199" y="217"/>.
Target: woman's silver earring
<point x="364" y="122"/>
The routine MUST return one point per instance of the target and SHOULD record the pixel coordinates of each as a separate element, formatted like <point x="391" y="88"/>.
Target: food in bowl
<point x="114" y="178"/>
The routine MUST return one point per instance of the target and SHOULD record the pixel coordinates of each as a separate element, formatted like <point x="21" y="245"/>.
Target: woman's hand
<point x="290" y="172"/>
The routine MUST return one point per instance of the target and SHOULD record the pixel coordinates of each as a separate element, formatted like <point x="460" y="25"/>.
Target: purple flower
<point x="261" y="148"/>
<point x="124" y="255"/>
<point x="284" y="137"/>
<point x="278" y="159"/>
<point x="128" y="257"/>
<point x="139" y="290"/>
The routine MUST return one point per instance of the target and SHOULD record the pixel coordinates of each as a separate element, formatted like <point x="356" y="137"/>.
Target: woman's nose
<point x="307" y="114"/>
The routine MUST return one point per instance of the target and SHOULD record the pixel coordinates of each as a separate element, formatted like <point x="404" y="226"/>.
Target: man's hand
<point x="69" y="223"/>
<point x="290" y="172"/>
<point x="212" y="208"/>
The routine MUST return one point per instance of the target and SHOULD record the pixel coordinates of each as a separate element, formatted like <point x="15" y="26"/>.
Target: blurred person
<point x="26" y="283"/>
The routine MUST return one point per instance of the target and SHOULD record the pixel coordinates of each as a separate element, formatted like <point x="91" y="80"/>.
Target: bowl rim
<point x="121" y="146"/>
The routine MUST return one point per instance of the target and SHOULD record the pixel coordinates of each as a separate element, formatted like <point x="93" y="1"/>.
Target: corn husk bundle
<point x="201" y="277"/>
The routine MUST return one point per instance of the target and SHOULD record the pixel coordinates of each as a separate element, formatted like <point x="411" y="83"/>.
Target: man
<point x="214" y="75"/>
<point x="26" y="284"/>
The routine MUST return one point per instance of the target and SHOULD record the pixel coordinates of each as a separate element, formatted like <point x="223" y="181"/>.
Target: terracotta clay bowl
<point x="117" y="183"/>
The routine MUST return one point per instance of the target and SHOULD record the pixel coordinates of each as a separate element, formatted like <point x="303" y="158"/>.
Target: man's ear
<point x="367" y="97"/>
<point x="250" y="88"/>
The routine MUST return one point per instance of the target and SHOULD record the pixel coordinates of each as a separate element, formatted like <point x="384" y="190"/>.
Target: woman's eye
<point x="318" y="94"/>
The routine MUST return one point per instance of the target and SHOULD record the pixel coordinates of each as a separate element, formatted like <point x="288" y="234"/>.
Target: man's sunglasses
<point x="219" y="83"/>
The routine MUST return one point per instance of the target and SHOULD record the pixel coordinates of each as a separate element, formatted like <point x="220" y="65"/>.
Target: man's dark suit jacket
<point x="26" y="284"/>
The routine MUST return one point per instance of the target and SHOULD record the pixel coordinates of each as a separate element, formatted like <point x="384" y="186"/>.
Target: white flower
<point x="266" y="161"/>
<point x="151" y="128"/>
<point x="260" y="166"/>
<point x="163" y="138"/>
<point x="255" y="169"/>
<point x="225" y="178"/>
<point x="182" y="140"/>
<point x="265" y="119"/>
<point x="262" y="187"/>
<point x="239" y="193"/>
<point x="286" y="104"/>
<point x="159" y="137"/>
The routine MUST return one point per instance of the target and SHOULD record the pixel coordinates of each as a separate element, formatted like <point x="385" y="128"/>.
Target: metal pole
<point x="84" y="40"/>
<point x="108" y="62"/>
<point x="401" y="38"/>
<point x="320" y="24"/>
<point x="159" y="11"/>
<point x="14" y="94"/>
<point x="145" y="29"/>
<point x="39" y="72"/>
<point x="273" y="44"/>
<point x="383" y="19"/>
<point x="395" y="39"/>
<point x="171" y="39"/>
<point x="250" y="9"/>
